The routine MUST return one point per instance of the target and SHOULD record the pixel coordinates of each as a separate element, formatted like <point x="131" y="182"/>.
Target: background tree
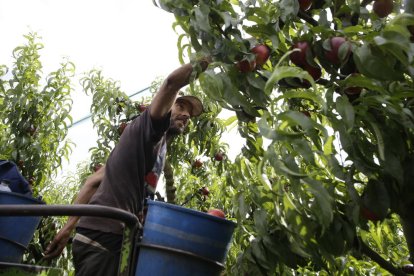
<point x="34" y="114"/>
<point x="34" y="120"/>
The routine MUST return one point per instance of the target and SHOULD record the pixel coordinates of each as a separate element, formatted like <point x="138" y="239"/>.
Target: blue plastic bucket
<point x="182" y="241"/>
<point x="16" y="232"/>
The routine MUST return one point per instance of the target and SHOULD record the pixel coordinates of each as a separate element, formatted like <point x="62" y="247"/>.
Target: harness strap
<point x="89" y="241"/>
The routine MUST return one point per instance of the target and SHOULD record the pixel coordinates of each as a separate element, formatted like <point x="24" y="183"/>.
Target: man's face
<point x="180" y="116"/>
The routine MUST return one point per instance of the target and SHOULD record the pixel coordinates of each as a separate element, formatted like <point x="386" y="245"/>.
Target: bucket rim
<point x="13" y="194"/>
<point x="190" y="211"/>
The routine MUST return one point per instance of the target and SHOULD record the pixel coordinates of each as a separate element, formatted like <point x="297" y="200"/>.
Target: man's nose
<point x="185" y="114"/>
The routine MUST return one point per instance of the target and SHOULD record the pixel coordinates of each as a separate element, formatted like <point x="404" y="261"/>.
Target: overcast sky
<point x="130" y="40"/>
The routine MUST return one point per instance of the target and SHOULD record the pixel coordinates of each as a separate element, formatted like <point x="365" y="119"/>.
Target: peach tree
<point x="34" y="122"/>
<point x="324" y="178"/>
<point x="34" y="113"/>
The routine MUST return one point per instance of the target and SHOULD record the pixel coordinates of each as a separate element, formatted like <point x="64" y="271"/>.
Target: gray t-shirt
<point x="123" y="185"/>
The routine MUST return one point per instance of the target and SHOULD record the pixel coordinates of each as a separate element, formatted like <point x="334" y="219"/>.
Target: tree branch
<point x="407" y="223"/>
<point x="366" y="250"/>
<point x="322" y="81"/>
<point x="221" y="31"/>
<point x="355" y="16"/>
<point x="303" y="15"/>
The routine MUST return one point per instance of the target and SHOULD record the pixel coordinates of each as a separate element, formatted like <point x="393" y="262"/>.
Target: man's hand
<point x="56" y="247"/>
<point x="92" y="183"/>
<point x="165" y="98"/>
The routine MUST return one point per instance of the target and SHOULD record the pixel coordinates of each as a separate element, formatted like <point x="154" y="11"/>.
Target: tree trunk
<point x="169" y="182"/>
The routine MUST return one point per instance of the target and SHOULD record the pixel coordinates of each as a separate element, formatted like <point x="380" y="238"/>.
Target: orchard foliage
<point x="34" y="113"/>
<point x="34" y="121"/>
<point x="338" y="122"/>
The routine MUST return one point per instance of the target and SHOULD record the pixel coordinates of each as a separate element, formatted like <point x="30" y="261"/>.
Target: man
<point x="128" y="177"/>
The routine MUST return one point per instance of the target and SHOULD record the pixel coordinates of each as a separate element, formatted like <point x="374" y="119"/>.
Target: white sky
<point x="132" y="41"/>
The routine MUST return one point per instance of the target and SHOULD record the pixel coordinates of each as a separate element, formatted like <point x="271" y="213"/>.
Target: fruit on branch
<point x="352" y="91"/>
<point x="383" y="8"/>
<point x="216" y="212"/>
<point x="408" y="268"/>
<point x="31" y="130"/>
<point x="204" y="191"/>
<point x="31" y="181"/>
<point x="246" y="66"/>
<point x="369" y="214"/>
<point x="151" y="178"/>
<point x="219" y="156"/>
<point x="262" y="53"/>
<point x="304" y="83"/>
<point x="299" y="57"/>
<point x="306" y="113"/>
<point x="305" y="5"/>
<point x="142" y="107"/>
<point x="97" y="167"/>
<point x="294" y="83"/>
<point x="122" y="127"/>
<point x="315" y="72"/>
<point x="197" y="163"/>
<point x="334" y="55"/>
<point x="119" y="109"/>
<point x="349" y="67"/>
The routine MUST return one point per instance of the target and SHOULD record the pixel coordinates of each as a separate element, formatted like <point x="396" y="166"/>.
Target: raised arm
<point x="165" y="97"/>
<point x="92" y="183"/>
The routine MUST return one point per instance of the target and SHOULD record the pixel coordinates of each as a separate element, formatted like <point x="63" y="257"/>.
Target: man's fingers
<point x="52" y="250"/>
<point x="52" y="253"/>
<point x="50" y="247"/>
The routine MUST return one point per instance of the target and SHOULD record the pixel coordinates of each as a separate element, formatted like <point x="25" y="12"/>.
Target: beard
<point x="175" y="129"/>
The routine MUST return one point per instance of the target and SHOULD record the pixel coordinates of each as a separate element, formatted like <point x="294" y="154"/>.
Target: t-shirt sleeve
<point x="153" y="130"/>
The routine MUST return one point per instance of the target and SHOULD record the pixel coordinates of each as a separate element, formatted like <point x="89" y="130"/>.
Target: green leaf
<point x="300" y="94"/>
<point x="379" y="138"/>
<point x="212" y="85"/>
<point x="346" y="110"/>
<point x="201" y="17"/>
<point x="288" y="9"/>
<point x="259" y="253"/>
<point x="376" y="64"/>
<point x="358" y="80"/>
<point x="281" y="167"/>
<point x="353" y="29"/>
<point x="323" y="201"/>
<point x="229" y="121"/>
<point x="328" y="147"/>
<point x="242" y="207"/>
<point x="303" y="149"/>
<point x="275" y="135"/>
<point x="260" y="221"/>
<point x="282" y="72"/>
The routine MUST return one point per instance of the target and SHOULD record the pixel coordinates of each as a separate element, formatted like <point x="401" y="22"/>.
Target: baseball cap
<point x="197" y="106"/>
